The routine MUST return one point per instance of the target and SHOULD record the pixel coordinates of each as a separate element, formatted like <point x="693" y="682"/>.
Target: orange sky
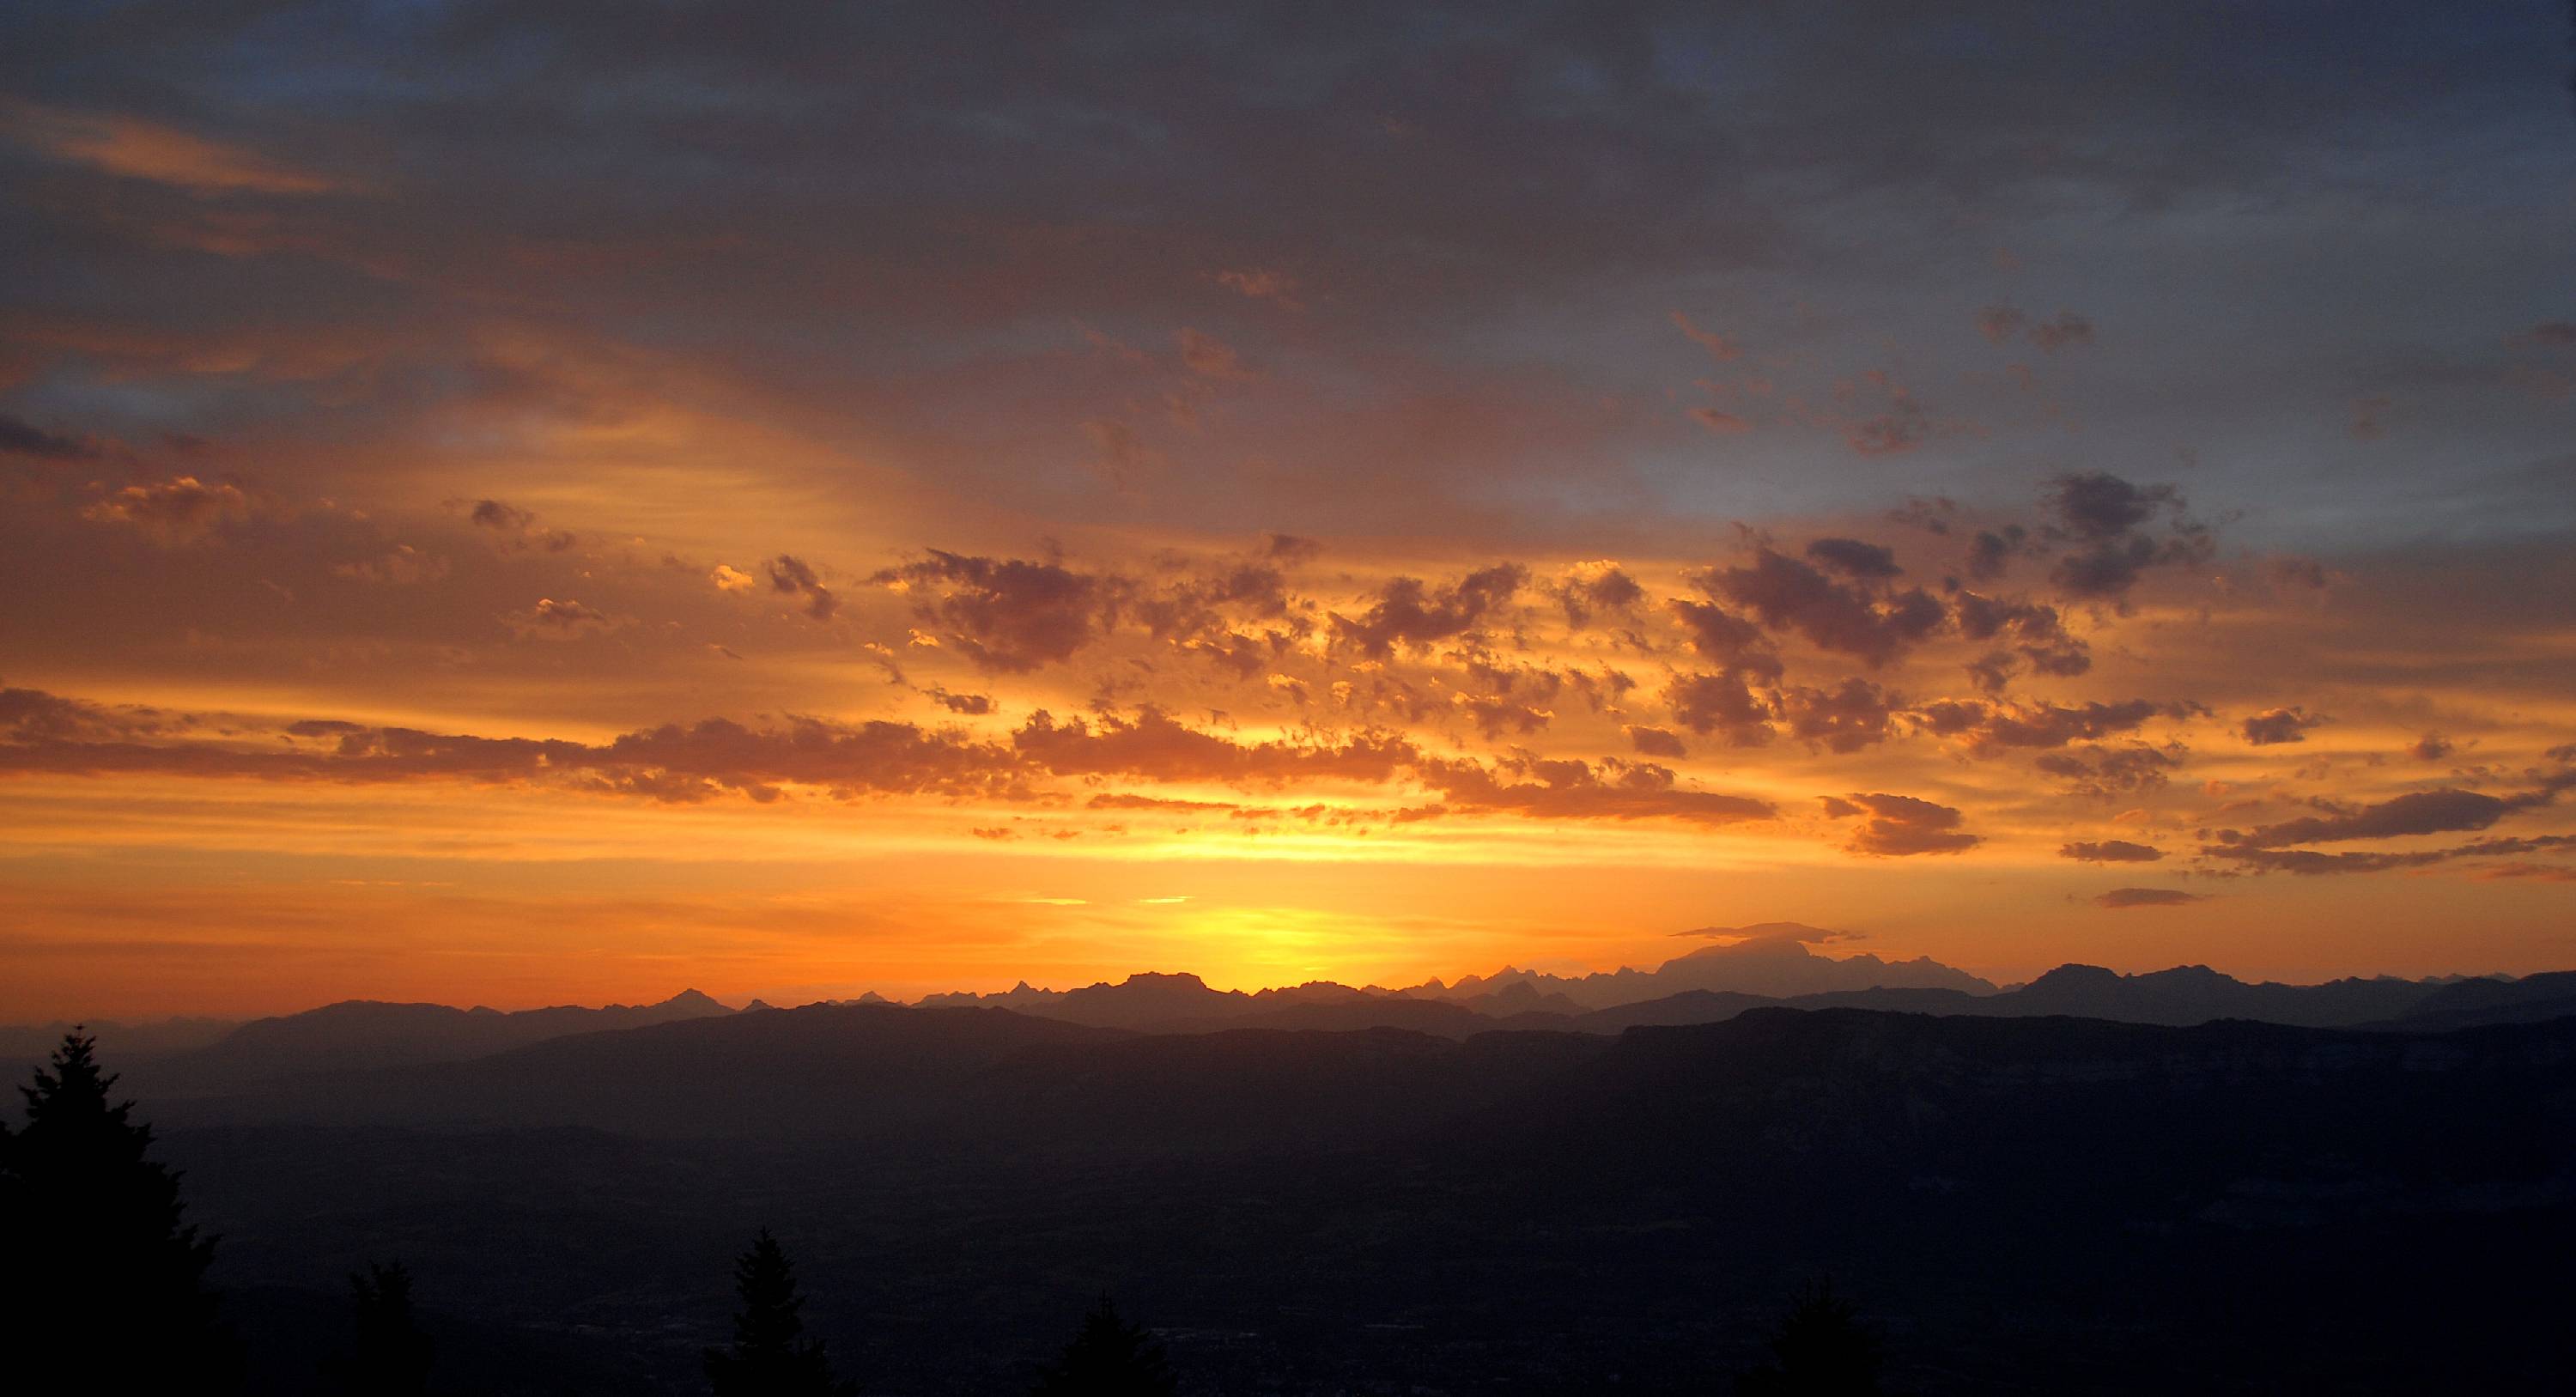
<point x="443" y="563"/>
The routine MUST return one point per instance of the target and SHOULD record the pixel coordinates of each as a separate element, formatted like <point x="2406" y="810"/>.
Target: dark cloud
<point x="1610" y="789"/>
<point x="1786" y="594"/>
<point x="2318" y="863"/>
<point x="1727" y="639"/>
<point x="1990" y="729"/>
<point x="1991" y="552"/>
<point x="1588" y="592"/>
<point x="793" y="576"/>
<point x="1007" y="616"/>
<point x="966" y="705"/>
<point x="517" y="526"/>
<point x="32" y="715"/>
<point x="2101" y="506"/>
<point x="2146" y="897"/>
<point x="1844" y="719"/>
<point x="1853" y="558"/>
<point x="2107" y="519"/>
<point x="2110" y="851"/>
<point x="1409" y="613"/>
<point x="1656" y="742"/>
<point x="492" y="514"/>
<point x="2039" y="639"/>
<point x="2431" y="747"/>
<point x="1722" y="705"/>
<point x="2101" y="773"/>
<point x="2448" y="810"/>
<point x="2274" y="726"/>
<point x="20" y="438"/>
<point x="2445" y="811"/>
<point x="1900" y="825"/>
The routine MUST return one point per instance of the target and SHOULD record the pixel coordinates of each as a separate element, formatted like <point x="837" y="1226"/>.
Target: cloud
<point x="2444" y="811"/>
<point x="32" y="715"/>
<point x="1154" y="746"/>
<point x="518" y="527"/>
<point x="145" y="150"/>
<point x="182" y="509"/>
<point x="2314" y="862"/>
<point x="1119" y="456"/>
<point x="1725" y="424"/>
<point x="567" y="619"/>
<point x="1786" y="594"/>
<point x="2275" y="726"/>
<point x="792" y="576"/>
<point x="1897" y="826"/>
<point x="1991" y="552"/>
<point x="966" y="705"/>
<point x="1408" y="613"/>
<point x="1845" y="719"/>
<point x="40" y="733"/>
<point x="1263" y="284"/>
<point x="2146" y="897"/>
<point x="1991" y="729"/>
<point x="1209" y="357"/>
<point x="1656" y="742"/>
<point x="2039" y="639"/>
<point x="730" y="579"/>
<point x="1611" y="789"/>
<point x="1721" y="705"/>
<point x="2431" y="747"/>
<point x="1901" y="427"/>
<point x="21" y="438"/>
<point x="1854" y="558"/>
<point x="1726" y="638"/>
<point x="1719" y="347"/>
<point x="403" y="566"/>
<point x="2106" y="516"/>
<point x="1593" y="588"/>
<point x="1007" y="616"/>
<point x="2104" y="772"/>
<point x="2110" y="851"/>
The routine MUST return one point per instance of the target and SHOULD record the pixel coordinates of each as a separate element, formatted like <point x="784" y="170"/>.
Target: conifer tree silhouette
<point x="1822" y="1350"/>
<point x="391" y="1356"/>
<point x="770" y="1356"/>
<point x="1108" y="1358"/>
<point x="99" y="1264"/>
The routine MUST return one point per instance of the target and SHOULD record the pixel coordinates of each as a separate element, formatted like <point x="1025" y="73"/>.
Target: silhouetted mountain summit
<point x="2470" y="1003"/>
<point x="361" y="1033"/>
<point x="1770" y="959"/>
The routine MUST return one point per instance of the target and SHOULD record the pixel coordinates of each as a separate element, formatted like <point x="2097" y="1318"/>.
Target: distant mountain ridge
<point x="1770" y="961"/>
<point x="366" y="1033"/>
<point x="1767" y="966"/>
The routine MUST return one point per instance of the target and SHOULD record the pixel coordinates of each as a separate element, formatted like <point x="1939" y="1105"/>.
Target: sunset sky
<point x="533" y="503"/>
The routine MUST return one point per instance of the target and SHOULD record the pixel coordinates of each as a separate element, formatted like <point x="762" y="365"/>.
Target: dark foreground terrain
<point x="2023" y="1204"/>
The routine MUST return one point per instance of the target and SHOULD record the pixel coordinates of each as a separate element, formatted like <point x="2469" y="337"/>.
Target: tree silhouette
<point x="99" y="1266"/>
<point x="1108" y="1358"/>
<point x="770" y="1356"/>
<point x="391" y="1354"/>
<point x="1822" y="1350"/>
